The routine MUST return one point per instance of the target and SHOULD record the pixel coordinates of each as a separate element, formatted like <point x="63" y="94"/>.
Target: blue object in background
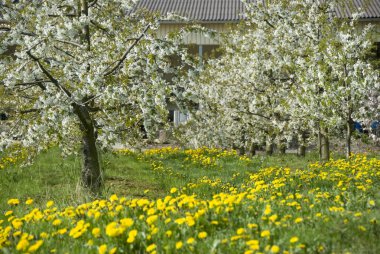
<point x="358" y="127"/>
<point x="375" y="125"/>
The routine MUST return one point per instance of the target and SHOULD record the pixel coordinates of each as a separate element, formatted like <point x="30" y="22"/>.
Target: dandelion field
<point x="201" y="201"/>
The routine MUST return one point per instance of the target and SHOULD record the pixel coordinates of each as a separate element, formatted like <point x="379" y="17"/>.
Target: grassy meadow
<point x="192" y="201"/>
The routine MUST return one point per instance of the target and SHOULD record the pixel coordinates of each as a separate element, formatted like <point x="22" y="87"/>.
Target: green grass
<point x="256" y="182"/>
<point x="52" y="177"/>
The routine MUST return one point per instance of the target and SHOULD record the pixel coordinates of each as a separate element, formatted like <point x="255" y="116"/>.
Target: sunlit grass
<point x="195" y="201"/>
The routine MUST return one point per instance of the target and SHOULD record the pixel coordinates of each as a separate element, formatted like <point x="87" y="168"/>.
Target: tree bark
<point x="252" y="149"/>
<point x="325" y="145"/>
<point x="91" y="175"/>
<point x="320" y="144"/>
<point x="349" y="130"/>
<point x="282" y="146"/>
<point x="241" y="150"/>
<point x="269" y="146"/>
<point x="302" y="146"/>
<point x="86" y="28"/>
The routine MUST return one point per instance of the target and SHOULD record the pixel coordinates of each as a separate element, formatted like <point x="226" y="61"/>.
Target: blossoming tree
<point x="292" y="68"/>
<point x="84" y="72"/>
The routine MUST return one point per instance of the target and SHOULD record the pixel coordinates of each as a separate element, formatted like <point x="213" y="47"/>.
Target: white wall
<point x="194" y="38"/>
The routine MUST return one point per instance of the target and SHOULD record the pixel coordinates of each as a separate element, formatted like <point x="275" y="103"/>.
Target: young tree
<point x="335" y="74"/>
<point x="84" y="72"/>
<point x="292" y="68"/>
<point x="245" y="93"/>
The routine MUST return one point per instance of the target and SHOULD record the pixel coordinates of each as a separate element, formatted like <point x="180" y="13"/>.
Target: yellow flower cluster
<point x="12" y="156"/>
<point x="208" y="157"/>
<point x="161" y="152"/>
<point x="125" y="151"/>
<point x="8" y="161"/>
<point x="275" y="210"/>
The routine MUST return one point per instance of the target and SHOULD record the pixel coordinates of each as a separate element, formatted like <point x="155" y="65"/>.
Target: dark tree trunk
<point x="269" y="147"/>
<point x="241" y="150"/>
<point x="282" y="146"/>
<point x="302" y="146"/>
<point x="349" y="130"/>
<point x="252" y="149"/>
<point x="325" y="145"/>
<point x="320" y="144"/>
<point x="91" y="175"/>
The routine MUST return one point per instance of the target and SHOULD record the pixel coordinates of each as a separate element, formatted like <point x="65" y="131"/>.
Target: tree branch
<point x="121" y="60"/>
<point x="64" y="51"/>
<point x="33" y="110"/>
<point x="8" y="29"/>
<point x="47" y="73"/>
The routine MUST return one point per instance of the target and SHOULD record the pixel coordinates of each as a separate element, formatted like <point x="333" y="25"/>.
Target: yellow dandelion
<point x="8" y="213"/>
<point x="275" y="249"/>
<point x="267" y="210"/>
<point x="13" y="201"/>
<point x="151" y="247"/>
<point x="114" y="198"/>
<point x="202" y="235"/>
<point x="22" y="245"/>
<point x="57" y="222"/>
<point x="50" y="203"/>
<point x="96" y="232"/>
<point x="127" y="222"/>
<point x="240" y="231"/>
<point x="178" y="245"/>
<point x="102" y="249"/>
<point x="151" y="219"/>
<point x="36" y="246"/>
<point x="191" y="240"/>
<point x="265" y="233"/>
<point x="29" y="201"/>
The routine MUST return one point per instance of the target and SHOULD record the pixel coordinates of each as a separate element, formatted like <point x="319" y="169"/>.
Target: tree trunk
<point x="91" y="175"/>
<point x="320" y="144"/>
<point x="325" y="145"/>
<point x="252" y="149"/>
<point x="282" y="146"/>
<point x="269" y="146"/>
<point x="241" y="150"/>
<point x="349" y="129"/>
<point x="302" y="146"/>
<point x="86" y="28"/>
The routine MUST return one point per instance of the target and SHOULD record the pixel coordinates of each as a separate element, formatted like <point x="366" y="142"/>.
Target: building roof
<point x="371" y="9"/>
<point x="199" y="10"/>
<point x="231" y="10"/>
